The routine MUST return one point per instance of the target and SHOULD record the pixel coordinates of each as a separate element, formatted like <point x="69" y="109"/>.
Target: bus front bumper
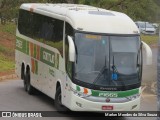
<point x="80" y="104"/>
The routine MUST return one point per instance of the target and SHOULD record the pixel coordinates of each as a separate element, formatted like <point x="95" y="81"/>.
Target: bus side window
<point x="52" y="33"/>
<point x="42" y="28"/>
<point x="37" y="23"/>
<point x="69" y="66"/>
<point x="25" y="23"/>
<point x="46" y="31"/>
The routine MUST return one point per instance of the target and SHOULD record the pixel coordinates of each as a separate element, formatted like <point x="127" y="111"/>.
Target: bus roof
<point x="86" y="18"/>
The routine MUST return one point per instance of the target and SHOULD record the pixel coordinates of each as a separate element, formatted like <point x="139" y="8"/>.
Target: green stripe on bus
<point x="46" y="56"/>
<point x="115" y="94"/>
<point x="57" y="61"/>
<point x="21" y="45"/>
<point x="78" y="88"/>
<point x="111" y="94"/>
<point x="35" y="50"/>
<point x="36" y="65"/>
<point x="27" y="46"/>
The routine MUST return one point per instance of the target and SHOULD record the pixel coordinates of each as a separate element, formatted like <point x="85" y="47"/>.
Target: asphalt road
<point x="14" y="98"/>
<point x="150" y="71"/>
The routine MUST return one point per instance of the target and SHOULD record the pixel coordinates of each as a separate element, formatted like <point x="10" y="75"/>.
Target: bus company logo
<point x="108" y="89"/>
<point x="19" y="44"/>
<point x="110" y="95"/>
<point x="48" y="57"/>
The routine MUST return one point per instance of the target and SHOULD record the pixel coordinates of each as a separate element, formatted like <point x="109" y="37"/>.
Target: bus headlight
<point x="79" y="94"/>
<point x="133" y="97"/>
<point x="82" y="95"/>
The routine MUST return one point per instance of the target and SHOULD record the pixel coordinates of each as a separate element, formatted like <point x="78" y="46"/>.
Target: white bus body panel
<point x="44" y="81"/>
<point x="80" y="19"/>
<point x="106" y="21"/>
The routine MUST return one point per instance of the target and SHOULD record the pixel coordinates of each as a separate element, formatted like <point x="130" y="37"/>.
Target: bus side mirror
<point x="71" y="49"/>
<point x="148" y="53"/>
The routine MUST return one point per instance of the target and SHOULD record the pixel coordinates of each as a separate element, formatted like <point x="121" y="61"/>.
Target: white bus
<point x="85" y="58"/>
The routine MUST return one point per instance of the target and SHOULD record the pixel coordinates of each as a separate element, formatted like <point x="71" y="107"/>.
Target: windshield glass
<point x="145" y="25"/>
<point x="107" y="60"/>
<point x="92" y="56"/>
<point x="123" y="59"/>
<point x="148" y="25"/>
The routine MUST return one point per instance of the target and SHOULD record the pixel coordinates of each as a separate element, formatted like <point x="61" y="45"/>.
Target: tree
<point x="146" y="10"/>
<point x="63" y="1"/>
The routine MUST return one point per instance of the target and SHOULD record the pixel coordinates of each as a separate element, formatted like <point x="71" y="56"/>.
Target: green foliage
<point x="145" y="10"/>
<point x="5" y="63"/>
<point x="150" y="39"/>
<point x="8" y="28"/>
<point x="6" y="51"/>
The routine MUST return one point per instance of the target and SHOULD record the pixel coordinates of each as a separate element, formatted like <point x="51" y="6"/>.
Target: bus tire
<point x="58" y="103"/>
<point x="22" y="72"/>
<point x="29" y="88"/>
<point x="25" y="84"/>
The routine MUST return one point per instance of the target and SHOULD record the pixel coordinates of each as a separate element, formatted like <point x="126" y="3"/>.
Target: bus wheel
<point x="22" y="71"/>
<point x="29" y="88"/>
<point x="25" y="84"/>
<point x="58" y="101"/>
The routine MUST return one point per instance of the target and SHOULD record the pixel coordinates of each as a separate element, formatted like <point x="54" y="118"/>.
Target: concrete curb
<point x="12" y="76"/>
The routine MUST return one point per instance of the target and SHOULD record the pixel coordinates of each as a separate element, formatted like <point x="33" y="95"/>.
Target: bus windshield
<point x="107" y="60"/>
<point x="145" y="25"/>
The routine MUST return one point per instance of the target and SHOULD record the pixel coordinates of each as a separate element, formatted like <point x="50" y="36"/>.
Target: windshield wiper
<point x="99" y="75"/>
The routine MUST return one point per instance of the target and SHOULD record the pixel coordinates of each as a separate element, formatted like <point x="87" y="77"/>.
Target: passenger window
<point x="42" y="28"/>
<point x="25" y="23"/>
<point x="53" y="33"/>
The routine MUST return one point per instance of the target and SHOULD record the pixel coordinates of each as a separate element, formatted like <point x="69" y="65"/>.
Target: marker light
<point x="85" y="90"/>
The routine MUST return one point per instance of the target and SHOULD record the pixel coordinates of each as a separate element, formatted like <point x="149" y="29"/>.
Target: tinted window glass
<point x="25" y="23"/>
<point x="42" y="28"/>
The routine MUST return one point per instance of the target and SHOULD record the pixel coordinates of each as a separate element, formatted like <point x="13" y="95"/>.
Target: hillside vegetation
<point x="7" y="48"/>
<point x="146" y="10"/>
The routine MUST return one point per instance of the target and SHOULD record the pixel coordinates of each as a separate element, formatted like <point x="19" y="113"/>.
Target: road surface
<point x="150" y="71"/>
<point x="14" y="98"/>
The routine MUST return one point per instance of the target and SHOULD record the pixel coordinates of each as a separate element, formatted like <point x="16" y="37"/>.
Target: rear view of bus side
<point x="86" y="58"/>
